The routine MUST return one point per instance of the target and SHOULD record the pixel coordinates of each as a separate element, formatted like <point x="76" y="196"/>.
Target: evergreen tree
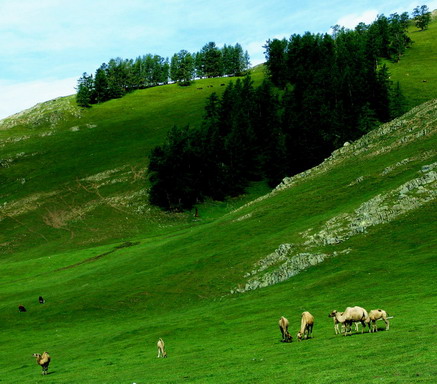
<point x="422" y="17"/>
<point x="115" y="77"/>
<point x="199" y="65"/>
<point x="269" y="138"/>
<point x="175" y="172"/>
<point x="213" y="159"/>
<point x="85" y="90"/>
<point x="382" y="95"/>
<point x="397" y="102"/>
<point x="182" y="68"/>
<point x="101" y="84"/>
<point x="276" y="61"/>
<point x="212" y="60"/>
<point x="399" y="39"/>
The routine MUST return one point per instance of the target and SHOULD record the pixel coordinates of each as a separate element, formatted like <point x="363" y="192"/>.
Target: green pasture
<point x="117" y="274"/>
<point x="107" y="306"/>
<point x="417" y="69"/>
<point x="102" y="318"/>
<point x="52" y="175"/>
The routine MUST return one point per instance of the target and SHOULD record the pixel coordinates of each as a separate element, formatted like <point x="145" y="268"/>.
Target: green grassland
<point x="417" y="69"/>
<point x="65" y="175"/>
<point x="117" y="274"/>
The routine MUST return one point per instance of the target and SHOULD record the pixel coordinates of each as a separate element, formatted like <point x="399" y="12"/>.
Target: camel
<point x="43" y="360"/>
<point x="306" y="326"/>
<point x="351" y="315"/>
<point x="378" y="314"/>
<point x="337" y="329"/>
<point x="161" y="348"/>
<point x="283" y="326"/>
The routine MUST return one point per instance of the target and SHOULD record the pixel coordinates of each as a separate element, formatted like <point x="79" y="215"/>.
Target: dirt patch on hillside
<point x="97" y="257"/>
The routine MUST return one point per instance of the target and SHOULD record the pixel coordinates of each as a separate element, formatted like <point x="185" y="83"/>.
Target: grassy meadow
<point x="117" y="274"/>
<point x="416" y="71"/>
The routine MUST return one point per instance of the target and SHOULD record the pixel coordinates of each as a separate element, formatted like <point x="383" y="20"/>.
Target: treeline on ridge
<point x="120" y="76"/>
<point x="321" y="91"/>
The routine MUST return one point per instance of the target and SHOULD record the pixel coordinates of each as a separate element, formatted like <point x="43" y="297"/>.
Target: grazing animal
<point x="283" y="326"/>
<point x="306" y="326"/>
<point x="337" y="324"/>
<point x="21" y="308"/>
<point x="337" y="329"/>
<point x="41" y="300"/>
<point x="378" y="314"/>
<point x="161" y="348"/>
<point x="44" y="361"/>
<point x="351" y="315"/>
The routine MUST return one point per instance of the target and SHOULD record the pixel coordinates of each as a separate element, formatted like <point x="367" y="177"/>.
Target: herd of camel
<point x="342" y="324"/>
<point x="351" y="315"/>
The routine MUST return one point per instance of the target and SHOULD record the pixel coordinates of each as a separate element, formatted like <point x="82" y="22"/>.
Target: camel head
<point x="38" y="357"/>
<point x="332" y="314"/>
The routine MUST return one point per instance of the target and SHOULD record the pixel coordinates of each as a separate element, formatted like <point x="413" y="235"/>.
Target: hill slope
<point x="64" y="170"/>
<point x="117" y="274"/>
<point x="416" y="71"/>
<point x="369" y="211"/>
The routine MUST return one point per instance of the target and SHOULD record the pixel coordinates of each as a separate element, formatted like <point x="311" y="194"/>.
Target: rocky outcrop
<point x="48" y="113"/>
<point x="290" y="259"/>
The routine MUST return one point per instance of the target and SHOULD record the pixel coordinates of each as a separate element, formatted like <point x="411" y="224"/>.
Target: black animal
<point x="41" y="300"/>
<point x="21" y="308"/>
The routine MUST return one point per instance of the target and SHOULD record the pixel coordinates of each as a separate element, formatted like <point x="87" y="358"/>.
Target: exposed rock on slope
<point x="51" y="112"/>
<point x="290" y="259"/>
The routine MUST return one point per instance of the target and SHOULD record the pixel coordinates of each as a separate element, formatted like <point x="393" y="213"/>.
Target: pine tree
<point x="422" y="17"/>
<point x="212" y="60"/>
<point x="85" y="90"/>
<point x="276" y="61"/>
<point x="101" y="84"/>
<point x="397" y="102"/>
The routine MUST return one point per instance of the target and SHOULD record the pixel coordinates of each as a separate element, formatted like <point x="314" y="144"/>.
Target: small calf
<point x="44" y="361"/>
<point x="283" y="327"/>
<point x="21" y="308"/>
<point x="161" y="348"/>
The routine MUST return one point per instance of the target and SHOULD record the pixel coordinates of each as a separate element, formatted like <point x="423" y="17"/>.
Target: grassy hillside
<point x="117" y="274"/>
<point x="416" y="71"/>
<point x="65" y="170"/>
<point x="369" y="209"/>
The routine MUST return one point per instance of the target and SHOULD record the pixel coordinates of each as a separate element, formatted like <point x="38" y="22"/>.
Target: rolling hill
<point x="117" y="274"/>
<point x="416" y="70"/>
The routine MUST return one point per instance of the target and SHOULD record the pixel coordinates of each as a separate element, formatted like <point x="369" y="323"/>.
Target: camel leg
<point x="282" y="333"/>
<point x="347" y="328"/>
